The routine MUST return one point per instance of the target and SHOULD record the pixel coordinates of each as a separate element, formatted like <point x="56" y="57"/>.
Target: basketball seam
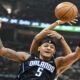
<point x="66" y="12"/>
<point x="71" y="14"/>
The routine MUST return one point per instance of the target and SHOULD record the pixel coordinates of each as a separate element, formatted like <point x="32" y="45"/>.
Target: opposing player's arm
<point x="64" y="68"/>
<point x="13" y="55"/>
<point x="68" y="60"/>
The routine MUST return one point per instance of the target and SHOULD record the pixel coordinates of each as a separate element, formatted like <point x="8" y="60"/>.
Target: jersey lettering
<point x="42" y="64"/>
<point x="39" y="72"/>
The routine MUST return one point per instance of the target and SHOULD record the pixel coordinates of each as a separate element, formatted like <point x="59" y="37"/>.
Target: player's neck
<point x="44" y="58"/>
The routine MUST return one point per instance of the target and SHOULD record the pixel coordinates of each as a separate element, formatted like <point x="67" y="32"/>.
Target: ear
<point x="38" y="48"/>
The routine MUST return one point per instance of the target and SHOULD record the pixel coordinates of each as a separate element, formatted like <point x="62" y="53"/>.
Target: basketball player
<point x="47" y="31"/>
<point x="42" y="66"/>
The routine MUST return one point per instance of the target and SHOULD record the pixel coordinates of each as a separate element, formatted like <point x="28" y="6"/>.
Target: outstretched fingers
<point x="74" y="21"/>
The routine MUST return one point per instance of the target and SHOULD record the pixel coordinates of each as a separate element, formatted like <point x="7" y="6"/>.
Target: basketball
<point x="66" y="11"/>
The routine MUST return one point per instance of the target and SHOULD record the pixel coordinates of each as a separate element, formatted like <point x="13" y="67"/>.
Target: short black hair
<point x="49" y="40"/>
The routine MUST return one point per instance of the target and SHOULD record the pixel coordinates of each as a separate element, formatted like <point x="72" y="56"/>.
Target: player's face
<point x="47" y="50"/>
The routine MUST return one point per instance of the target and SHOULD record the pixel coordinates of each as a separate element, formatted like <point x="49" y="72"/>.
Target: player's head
<point x="47" y="48"/>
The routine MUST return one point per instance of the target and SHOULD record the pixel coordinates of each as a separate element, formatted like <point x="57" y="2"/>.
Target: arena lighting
<point x="24" y="22"/>
<point x="39" y="24"/>
<point x="13" y="21"/>
<point x="9" y="10"/>
<point x="68" y="28"/>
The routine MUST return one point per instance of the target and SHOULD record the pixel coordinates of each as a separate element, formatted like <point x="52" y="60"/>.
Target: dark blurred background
<point x="19" y="37"/>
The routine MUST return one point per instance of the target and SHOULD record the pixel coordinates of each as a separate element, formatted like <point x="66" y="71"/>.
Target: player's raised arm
<point x="44" y="32"/>
<point x="66" y="49"/>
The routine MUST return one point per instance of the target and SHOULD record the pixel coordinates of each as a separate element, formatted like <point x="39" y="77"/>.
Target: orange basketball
<point x="66" y="11"/>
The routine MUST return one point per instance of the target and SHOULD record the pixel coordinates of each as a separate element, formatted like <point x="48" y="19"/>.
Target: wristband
<point x="58" y="22"/>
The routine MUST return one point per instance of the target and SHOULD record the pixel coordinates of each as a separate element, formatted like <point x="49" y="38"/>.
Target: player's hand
<point x="55" y="34"/>
<point x="74" y="21"/>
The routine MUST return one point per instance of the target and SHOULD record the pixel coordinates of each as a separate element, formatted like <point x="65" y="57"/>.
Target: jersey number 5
<point x="39" y="72"/>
